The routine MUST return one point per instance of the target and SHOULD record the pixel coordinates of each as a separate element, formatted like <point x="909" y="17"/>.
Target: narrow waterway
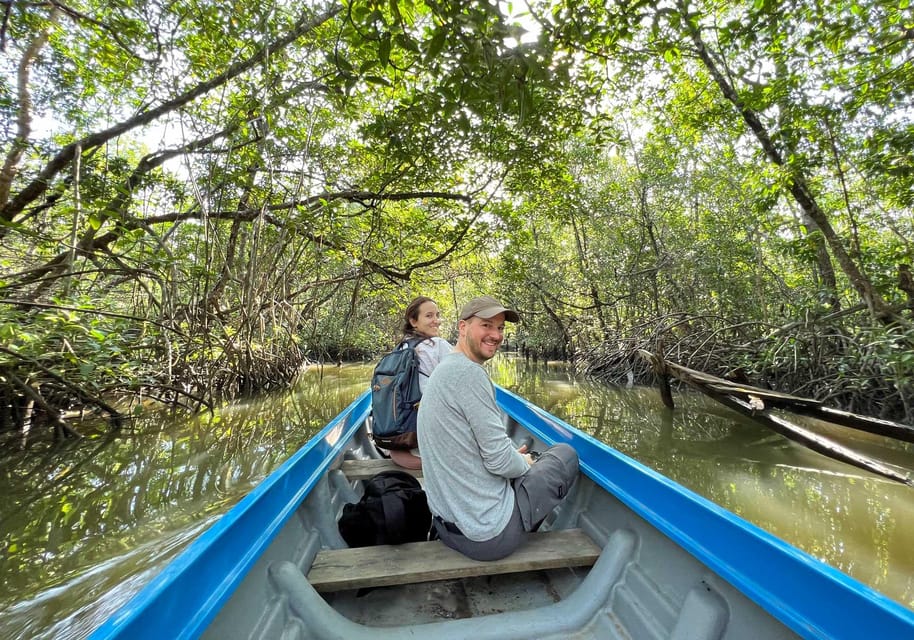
<point x="85" y="525"/>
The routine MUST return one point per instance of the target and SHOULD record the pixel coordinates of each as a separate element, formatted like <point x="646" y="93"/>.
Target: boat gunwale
<point x="760" y="565"/>
<point x="273" y="501"/>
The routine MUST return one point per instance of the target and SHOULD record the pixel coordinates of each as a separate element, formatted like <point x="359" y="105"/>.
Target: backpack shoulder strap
<point x="394" y="510"/>
<point x="414" y="342"/>
<point x="411" y="342"/>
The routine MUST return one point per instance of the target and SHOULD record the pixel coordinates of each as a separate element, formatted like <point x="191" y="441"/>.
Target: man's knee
<point x="564" y="451"/>
<point x="565" y="461"/>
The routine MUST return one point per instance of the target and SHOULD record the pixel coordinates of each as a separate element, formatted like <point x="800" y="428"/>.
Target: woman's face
<point x="428" y="321"/>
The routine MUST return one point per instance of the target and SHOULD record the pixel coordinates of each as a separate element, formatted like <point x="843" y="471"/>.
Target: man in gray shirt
<point x="483" y="492"/>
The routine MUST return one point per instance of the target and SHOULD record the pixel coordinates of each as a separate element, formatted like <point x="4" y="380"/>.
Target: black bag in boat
<point x="393" y="510"/>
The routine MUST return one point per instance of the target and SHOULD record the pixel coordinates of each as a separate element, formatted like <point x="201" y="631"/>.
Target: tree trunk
<point x="24" y="119"/>
<point x="797" y="185"/>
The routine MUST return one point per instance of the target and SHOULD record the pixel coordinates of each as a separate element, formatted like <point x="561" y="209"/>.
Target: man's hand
<point x="523" y="451"/>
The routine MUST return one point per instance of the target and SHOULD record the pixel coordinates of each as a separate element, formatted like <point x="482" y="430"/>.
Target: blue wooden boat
<point x="629" y="555"/>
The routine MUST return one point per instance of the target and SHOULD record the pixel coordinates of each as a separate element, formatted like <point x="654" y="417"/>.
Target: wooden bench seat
<point x="386" y="565"/>
<point x="364" y="469"/>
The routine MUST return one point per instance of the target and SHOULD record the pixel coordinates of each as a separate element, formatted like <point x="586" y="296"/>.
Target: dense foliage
<point x="197" y="200"/>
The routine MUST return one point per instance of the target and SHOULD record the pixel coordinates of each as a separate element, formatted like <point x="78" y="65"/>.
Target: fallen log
<point x="796" y="404"/>
<point x="812" y="440"/>
<point x="754" y="403"/>
<point x="862" y="423"/>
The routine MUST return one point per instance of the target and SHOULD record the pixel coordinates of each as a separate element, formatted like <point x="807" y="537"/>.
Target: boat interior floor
<point x="537" y="604"/>
<point x="640" y="585"/>
<point x="455" y="599"/>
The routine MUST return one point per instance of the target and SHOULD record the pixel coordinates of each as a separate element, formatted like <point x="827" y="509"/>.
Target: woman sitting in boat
<point x="422" y="319"/>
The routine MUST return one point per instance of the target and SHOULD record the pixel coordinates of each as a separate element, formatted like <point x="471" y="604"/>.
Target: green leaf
<point x="406" y="42"/>
<point x="384" y="50"/>
<point x="436" y="44"/>
<point x="377" y="80"/>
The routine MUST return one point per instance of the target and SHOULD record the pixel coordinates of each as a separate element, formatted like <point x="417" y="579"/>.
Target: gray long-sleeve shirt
<point x="467" y="457"/>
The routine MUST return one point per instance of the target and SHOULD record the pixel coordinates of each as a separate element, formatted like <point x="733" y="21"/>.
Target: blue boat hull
<point x="674" y="565"/>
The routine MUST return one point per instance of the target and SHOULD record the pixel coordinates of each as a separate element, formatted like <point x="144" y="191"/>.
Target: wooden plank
<point x="386" y="565"/>
<point x="364" y="469"/>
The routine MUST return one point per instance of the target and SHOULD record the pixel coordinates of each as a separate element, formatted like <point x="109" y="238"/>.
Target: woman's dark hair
<point x="412" y="313"/>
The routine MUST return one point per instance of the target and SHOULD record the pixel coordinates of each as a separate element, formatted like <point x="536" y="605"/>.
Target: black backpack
<point x="395" y="397"/>
<point x="393" y="510"/>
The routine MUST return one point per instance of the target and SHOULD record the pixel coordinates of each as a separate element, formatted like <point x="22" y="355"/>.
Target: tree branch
<point x="84" y="396"/>
<point x="110" y="314"/>
<point x="111" y="31"/>
<point x="56" y="419"/>
<point x="41" y="182"/>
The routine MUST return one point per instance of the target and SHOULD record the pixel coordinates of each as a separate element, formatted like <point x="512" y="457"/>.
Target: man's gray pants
<point x="536" y="494"/>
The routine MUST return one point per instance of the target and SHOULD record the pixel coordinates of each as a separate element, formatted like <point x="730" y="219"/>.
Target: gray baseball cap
<point x="487" y="307"/>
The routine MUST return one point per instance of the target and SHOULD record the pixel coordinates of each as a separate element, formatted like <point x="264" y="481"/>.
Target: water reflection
<point x="83" y="528"/>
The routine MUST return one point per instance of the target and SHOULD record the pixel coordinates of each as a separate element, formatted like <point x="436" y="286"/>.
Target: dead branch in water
<point x="837" y="359"/>
<point x="756" y="403"/>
